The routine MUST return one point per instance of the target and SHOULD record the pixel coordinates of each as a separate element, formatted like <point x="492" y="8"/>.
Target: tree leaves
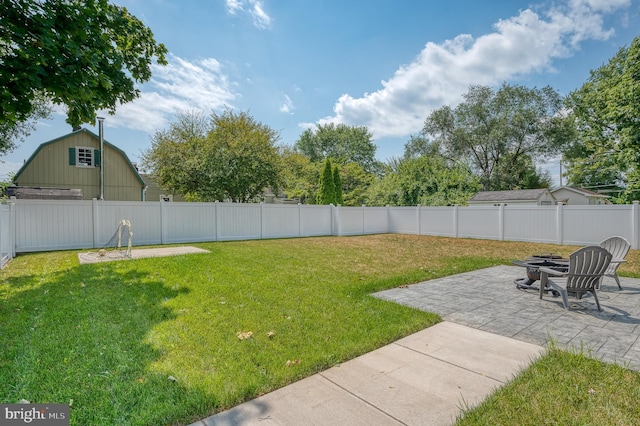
<point x="226" y="156"/>
<point x="606" y="110"/>
<point x="493" y="130"/>
<point x="341" y="143"/>
<point x="326" y="185"/>
<point x="85" y="55"/>
<point x="424" y="180"/>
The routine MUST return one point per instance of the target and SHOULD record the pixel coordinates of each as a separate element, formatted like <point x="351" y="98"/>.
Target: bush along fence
<point x="43" y="225"/>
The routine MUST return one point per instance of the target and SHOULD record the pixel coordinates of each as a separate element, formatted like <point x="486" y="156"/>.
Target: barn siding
<point x="49" y="167"/>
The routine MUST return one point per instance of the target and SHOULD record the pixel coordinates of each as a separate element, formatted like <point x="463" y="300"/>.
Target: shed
<point x="578" y="196"/>
<point x="540" y="197"/>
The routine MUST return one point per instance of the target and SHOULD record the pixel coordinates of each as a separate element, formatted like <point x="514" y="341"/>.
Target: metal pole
<point x="561" y="172"/>
<point x="101" y="135"/>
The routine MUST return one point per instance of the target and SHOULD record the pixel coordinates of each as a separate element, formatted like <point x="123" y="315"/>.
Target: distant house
<point x="72" y="163"/>
<point x="540" y="197"/>
<point x="155" y="193"/>
<point x="578" y="196"/>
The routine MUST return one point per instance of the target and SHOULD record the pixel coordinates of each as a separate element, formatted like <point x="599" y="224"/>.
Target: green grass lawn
<point x="156" y="341"/>
<point x="563" y="389"/>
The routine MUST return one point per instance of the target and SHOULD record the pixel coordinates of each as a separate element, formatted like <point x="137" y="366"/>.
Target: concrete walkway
<point x="423" y="379"/>
<point x="491" y="331"/>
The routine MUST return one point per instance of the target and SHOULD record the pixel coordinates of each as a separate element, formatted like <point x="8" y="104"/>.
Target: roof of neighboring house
<point x="110" y="145"/>
<point x="587" y="193"/>
<point x="512" y="195"/>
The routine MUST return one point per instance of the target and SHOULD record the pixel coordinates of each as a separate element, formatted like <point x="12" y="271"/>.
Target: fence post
<point x="388" y="219"/>
<point x="96" y="221"/>
<point x="455" y="221"/>
<point x="363" y="213"/>
<point x="262" y="219"/>
<point x="634" y="225"/>
<point x="419" y="227"/>
<point x="560" y="224"/>
<point x="333" y="224"/>
<point x="299" y="220"/>
<point x="217" y="218"/>
<point x="163" y="221"/>
<point x="336" y="210"/>
<point x="501" y="223"/>
<point x="13" y="229"/>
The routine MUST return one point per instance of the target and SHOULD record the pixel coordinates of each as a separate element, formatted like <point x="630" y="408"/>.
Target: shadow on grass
<point x="78" y="337"/>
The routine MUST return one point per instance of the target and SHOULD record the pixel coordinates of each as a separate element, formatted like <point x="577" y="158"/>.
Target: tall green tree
<point x="228" y="156"/>
<point x="424" y="180"/>
<point x="337" y="185"/>
<point x="606" y="110"/>
<point x="492" y="130"/>
<point x="521" y="175"/>
<point x="341" y="143"/>
<point x="419" y="145"/>
<point x="326" y="186"/>
<point x="355" y="183"/>
<point x="299" y="175"/>
<point x="84" y="54"/>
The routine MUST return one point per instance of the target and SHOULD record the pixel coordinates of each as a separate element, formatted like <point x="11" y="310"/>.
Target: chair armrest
<point x="544" y="278"/>
<point x="618" y="261"/>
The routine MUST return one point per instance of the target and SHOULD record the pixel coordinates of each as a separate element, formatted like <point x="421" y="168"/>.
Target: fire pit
<point x="533" y="265"/>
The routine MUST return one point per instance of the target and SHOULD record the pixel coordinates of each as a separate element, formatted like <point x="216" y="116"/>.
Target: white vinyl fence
<point x="7" y="234"/>
<point x="42" y="225"/>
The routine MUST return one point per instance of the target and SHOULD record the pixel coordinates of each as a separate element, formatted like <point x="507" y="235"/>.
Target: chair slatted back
<point x="586" y="267"/>
<point x="618" y="247"/>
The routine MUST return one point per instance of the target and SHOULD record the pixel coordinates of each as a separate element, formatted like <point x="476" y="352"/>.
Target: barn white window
<point x="82" y="156"/>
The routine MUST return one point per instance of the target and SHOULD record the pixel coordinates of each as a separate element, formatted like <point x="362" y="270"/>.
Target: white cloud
<point x="179" y="86"/>
<point x="600" y="5"/>
<point x="287" y="106"/>
<point x="254" y="8"/>
<point x="233" y="6"/>
<point x="441" y="73"/>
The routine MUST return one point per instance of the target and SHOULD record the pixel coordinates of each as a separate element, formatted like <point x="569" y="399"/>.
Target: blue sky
<point x="383" y="64"/>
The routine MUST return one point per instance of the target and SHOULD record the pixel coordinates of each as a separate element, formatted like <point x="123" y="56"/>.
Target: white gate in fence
<point x="42" y="225"/>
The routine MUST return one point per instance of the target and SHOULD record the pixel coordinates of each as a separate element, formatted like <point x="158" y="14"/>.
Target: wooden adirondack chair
<point x="618" y="247"/>
<point x="586" y="268"/>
